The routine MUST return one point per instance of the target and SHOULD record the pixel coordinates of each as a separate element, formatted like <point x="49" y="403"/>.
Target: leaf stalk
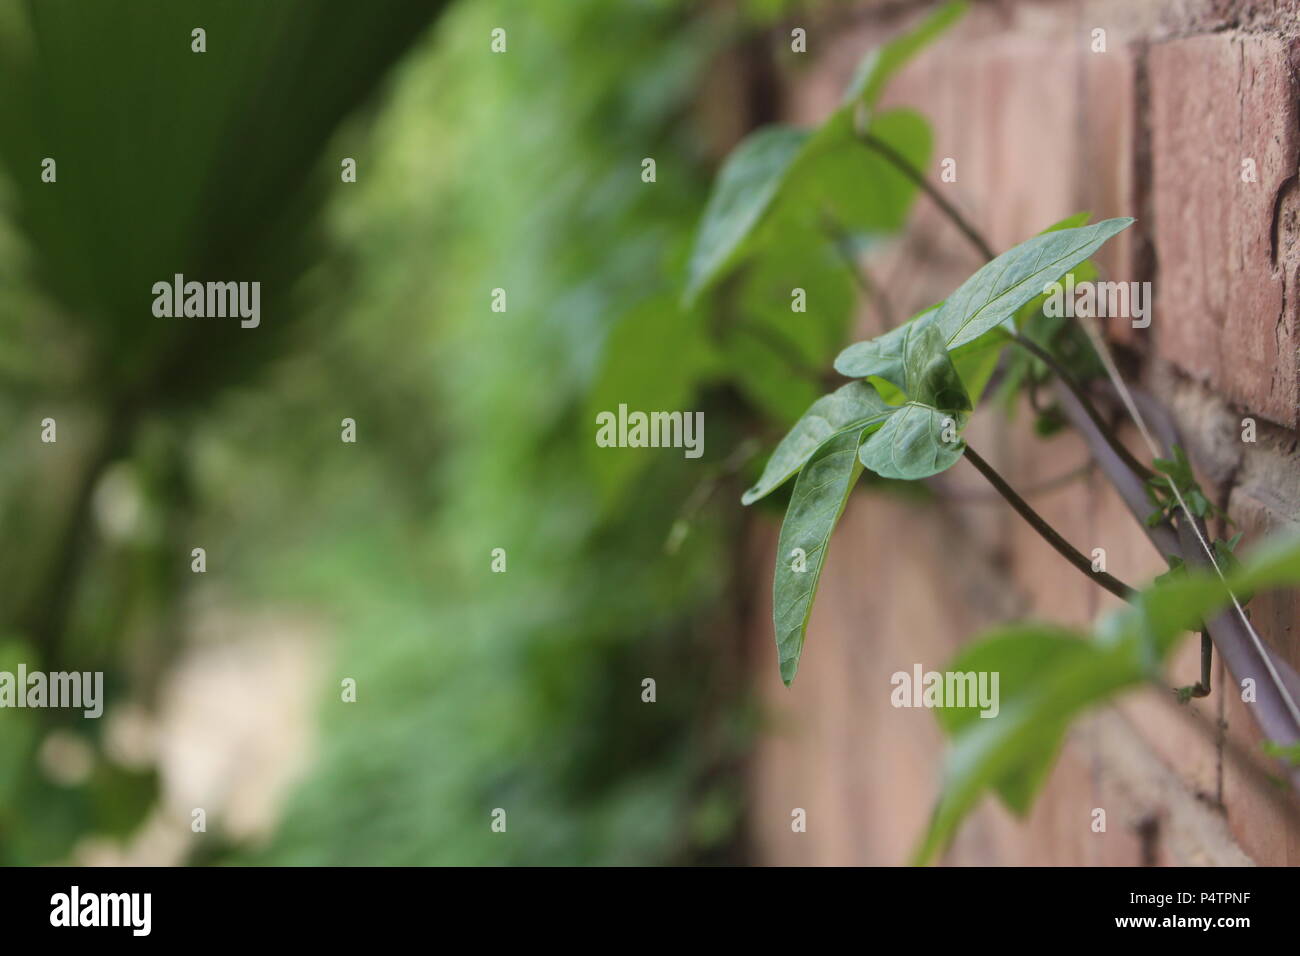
<point x="1049" y="534"/>
<point x="904" y="166"/>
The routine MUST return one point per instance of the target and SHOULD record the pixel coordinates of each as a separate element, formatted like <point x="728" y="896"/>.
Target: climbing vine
<point x="903" y="413"/>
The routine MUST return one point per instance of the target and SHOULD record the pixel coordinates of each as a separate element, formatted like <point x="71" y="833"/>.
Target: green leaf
<point x="989" y="753"/>
<point x="819" y="497"/>
<point x="746" y="186"/>
<point x="841" y="181"/>
<point x="976" y="364"/>
<point x="829" y="162"/>
<point x="652" y="360"/>
<point x="878" y="66"/>
<point x="929" y="375"/>
<point x="1055" y="333"/>
<point x="910" y="445"/>
<point x="881" y="356"/>
<point x="1177" y="478"/>
<point x="993" y="294"/>
<point x="1289" y="753"/>
<point x="851" y="407"/>
<point x="1164" y="612"/>
<point x="1017" y="654"/>
<point x="975" y="361"/>
<point x="1049" y="676"/>
<point x="766" y="379"/>
<point x="806" y="260"/>
<point x="775" y="355"/>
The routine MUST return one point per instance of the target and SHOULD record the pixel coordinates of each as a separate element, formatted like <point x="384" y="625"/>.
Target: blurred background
<point x="372" y="561"/>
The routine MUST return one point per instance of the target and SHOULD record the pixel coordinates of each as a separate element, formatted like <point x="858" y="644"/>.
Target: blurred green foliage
<point x="166" y="161"/>
<point x="522" y="690"/>
<point x="478" y="171"/>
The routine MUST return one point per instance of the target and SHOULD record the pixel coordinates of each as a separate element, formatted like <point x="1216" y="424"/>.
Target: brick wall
<point x="1041" y="126"/>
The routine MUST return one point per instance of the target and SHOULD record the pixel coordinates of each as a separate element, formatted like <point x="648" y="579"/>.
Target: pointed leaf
<point x="850" y="407"/>
<point x="921" y="438"/>
<point x="1018" y="655"/>
<point x="871" y="195"/>
<point x="839" y="178"/>
<point x="878" y="66"/>
<point x="988" y="752"/>
<point x="819" y="497"/>
<point x="929" y="375"/>
<point x="881" y="356"/>
<point x="746" y="186"/>
<point x="1012" y="750"/>
<point x="993" y="294"/>
<point x="910" y="444"/>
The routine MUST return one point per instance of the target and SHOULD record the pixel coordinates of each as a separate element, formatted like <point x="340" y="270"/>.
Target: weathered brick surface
<point x="1225" y="307"/>
<point x="862" y="769"/>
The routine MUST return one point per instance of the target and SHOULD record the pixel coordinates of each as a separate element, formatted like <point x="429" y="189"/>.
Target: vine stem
<point x="904" y="166"/>
<point x="1049" y="534"/>
<point x="1066" y="379"/>
<point x="982" y="495"/>
<point x="840" y="241"/>
<point x="783" y="349"/>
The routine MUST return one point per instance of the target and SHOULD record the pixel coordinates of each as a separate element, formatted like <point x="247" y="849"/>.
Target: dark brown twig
<point x="1049" y="534"/>
<point x="905" y="167"/>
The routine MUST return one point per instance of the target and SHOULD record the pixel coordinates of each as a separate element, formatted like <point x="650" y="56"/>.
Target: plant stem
<point x="1064" y="548"/>
<point x="1207" y="659"/>
<point x="985" y="496"/>
<point x="1066" y="379"/>
<point x="785" y="350"/>
<point x="840" y="241"/>
<point x="46" y="616"/>
<point x="902" y="164"/>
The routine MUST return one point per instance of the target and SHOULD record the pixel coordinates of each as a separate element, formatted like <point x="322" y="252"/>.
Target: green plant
<point x="1049" y="675"/>
<point x="903" y="417"/>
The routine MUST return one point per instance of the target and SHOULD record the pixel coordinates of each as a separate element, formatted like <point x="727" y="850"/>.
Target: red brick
<point x="1225" y="308"/>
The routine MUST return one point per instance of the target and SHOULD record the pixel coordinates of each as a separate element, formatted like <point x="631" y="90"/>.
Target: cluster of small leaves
<point x="918" y="382"/>
<point x="904" y="417"/>
<point x="1051" y="675"/>
<point x="1175" y="478"/>
<point x="1290" y="753"/>
<point x="788" y="205"/>
<point x="1224" y="555"/>
<point x="901" y="417"/>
